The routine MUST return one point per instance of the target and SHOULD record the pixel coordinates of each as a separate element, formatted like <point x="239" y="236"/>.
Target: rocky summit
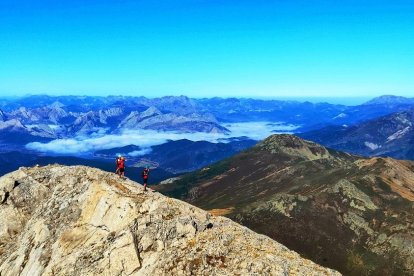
<point x="58" y="220"/>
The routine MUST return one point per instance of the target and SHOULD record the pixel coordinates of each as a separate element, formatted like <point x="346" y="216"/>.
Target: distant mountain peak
<point x="390" y="99"/>
<point x="56" y="104"/>
<point x="13" y="125"/>
<point x="3" y="116"/>
<point x="151" y="111"/>
<point x="294" y="146"/>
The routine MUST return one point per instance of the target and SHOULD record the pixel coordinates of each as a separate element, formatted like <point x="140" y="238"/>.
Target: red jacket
<point x="120" y="163"/>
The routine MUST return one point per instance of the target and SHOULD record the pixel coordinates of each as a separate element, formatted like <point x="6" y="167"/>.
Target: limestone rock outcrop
<point x="58" y="220"/>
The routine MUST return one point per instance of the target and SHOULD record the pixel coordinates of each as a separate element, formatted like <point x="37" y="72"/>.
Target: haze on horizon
<point x="207" y="48"/>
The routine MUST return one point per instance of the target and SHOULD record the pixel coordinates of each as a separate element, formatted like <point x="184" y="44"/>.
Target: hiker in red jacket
<point x="121" y="166"/>
<point x="145" y="175"/>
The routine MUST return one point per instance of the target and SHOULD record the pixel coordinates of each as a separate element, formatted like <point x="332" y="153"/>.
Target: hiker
<point x="117" y="161"/>
<point x="145" y="174"/>
<point x="121" y="166"/>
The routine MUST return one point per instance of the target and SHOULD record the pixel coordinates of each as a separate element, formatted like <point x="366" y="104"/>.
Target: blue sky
<point x="207" y="48"/>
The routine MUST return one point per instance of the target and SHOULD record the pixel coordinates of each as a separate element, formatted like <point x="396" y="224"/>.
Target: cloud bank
<point x="147" y="138"/>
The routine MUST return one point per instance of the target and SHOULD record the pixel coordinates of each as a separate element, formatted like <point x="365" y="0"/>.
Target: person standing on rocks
<point x="117" y="161"/>
<point x="145" y="175"/>
<point x="121" y="166"/>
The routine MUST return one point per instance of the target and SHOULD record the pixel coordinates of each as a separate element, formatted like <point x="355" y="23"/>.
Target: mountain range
<point x="57" y="121"/>
<point x="50" y="117"/>
<point x="344" y="211"/>
<point x="380" y="127"/>
<point x="309" y="116"/>
<point x="391" y="135"/>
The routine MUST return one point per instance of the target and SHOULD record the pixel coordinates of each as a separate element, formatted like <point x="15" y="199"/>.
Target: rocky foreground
<point x="58" y="220"/>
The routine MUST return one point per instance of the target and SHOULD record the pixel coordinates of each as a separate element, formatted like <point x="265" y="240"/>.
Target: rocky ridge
<point x="58" y="220"/>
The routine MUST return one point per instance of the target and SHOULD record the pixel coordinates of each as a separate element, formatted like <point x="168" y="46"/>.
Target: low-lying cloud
<point x="147" y="138"/>
<point x="139" y="152"/>
<point x="258" y="130"/>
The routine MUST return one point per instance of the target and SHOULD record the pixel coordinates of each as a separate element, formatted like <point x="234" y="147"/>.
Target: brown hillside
<point x="343" y="211"/>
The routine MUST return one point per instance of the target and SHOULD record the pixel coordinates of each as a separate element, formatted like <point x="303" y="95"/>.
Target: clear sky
<point x="207" y="47"/>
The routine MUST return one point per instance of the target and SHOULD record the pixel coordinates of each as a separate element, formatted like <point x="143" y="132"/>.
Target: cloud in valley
<point x="139" y="152"/>
<point x="147" y="138"/>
